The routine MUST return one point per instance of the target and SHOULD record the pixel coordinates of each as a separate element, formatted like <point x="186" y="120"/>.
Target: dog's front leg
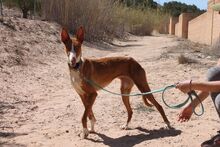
<point x="92" y="121"/>
<point x="85" y="132"/>
<point x="88" y="101"/>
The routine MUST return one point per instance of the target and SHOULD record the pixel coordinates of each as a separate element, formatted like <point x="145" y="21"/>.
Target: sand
<point x="39" y="107"/>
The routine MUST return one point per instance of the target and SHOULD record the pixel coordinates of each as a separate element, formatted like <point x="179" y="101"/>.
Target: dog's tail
<point x="146" y="102"/>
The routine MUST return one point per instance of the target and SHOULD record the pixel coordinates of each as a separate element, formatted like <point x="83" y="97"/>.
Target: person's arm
<point x="186" y="114"/>
<point x="187" y="86"/>
<point x="213" y="86"/>
<point x="204" y="87"/>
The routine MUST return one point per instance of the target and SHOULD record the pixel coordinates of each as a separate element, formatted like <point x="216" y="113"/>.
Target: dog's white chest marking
<point x="76" y="82"/>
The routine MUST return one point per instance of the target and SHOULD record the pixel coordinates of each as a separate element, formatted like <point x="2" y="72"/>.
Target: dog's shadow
<point x="131" y="140"/>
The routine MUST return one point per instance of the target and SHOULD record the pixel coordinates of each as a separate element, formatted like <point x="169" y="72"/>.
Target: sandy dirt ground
<point x="39" y="108"/>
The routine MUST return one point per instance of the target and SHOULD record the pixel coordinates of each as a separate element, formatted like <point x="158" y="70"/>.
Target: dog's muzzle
<point x="73" y="62"/>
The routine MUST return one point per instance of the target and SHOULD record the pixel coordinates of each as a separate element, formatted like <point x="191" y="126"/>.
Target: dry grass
<point x="185" y="60"/>
<point x="102" y="19"/>
<point x="97" y="16"/>
<point x="10" y="3"/>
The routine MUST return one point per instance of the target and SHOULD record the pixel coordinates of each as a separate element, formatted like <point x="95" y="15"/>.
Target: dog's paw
<point x="168" y="125"/>
<point x="92" y="131"/>
<point x="85" y="133"/>
<point x="124" y="127"/>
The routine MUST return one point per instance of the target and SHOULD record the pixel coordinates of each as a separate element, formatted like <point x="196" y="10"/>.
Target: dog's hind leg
<point x="141" y="82"/>
<point x="126" y="86"/>
<point x="159" y="108"/>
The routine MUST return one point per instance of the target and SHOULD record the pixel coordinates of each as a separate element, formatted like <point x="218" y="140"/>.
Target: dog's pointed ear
<point x="80" y="34"/>
<point x="65" y="36"/>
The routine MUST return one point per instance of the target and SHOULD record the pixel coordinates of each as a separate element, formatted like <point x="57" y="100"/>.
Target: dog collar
<point x="77" y="66"/>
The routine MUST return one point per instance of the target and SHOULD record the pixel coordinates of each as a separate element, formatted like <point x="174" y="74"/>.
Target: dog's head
<point x="73" y="45"/>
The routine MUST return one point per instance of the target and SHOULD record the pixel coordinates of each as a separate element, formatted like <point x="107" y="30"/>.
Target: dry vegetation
<point x="103" y="19"/>
<point x="184" y="60"/>
<point x="188" y="52"/>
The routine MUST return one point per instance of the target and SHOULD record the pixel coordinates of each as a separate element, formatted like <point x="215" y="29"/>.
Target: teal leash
<point x="202" y="107"/>
<point x="190" y="97"/>
<point x="122" y="94"/>
<point x="156" y="91"/>
<point x="173" y="106"/>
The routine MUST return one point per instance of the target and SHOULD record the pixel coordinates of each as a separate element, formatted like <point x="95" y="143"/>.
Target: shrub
<point x="103" y="19"/>
<point x="185" y="60"/>
<point x="26" y="6"/>
<point x="143" y="22"/>
<point x="97" y="16"/>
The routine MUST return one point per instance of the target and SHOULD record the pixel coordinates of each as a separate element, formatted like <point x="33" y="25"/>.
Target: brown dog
<point x="103" y="71"/>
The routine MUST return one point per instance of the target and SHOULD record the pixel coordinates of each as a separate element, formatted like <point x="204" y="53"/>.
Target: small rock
<point x="208" y="57"/>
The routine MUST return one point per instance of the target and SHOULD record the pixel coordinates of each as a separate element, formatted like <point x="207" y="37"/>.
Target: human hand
<point x="184" y="86"/>
<point x="186" y="114"/>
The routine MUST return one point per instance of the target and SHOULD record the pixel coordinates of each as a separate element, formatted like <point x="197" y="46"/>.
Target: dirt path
<point x="46" y="111"/>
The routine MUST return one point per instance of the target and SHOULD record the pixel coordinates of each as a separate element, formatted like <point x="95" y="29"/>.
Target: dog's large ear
<point x="65" y="36"/>
<point x="80" y="34"/>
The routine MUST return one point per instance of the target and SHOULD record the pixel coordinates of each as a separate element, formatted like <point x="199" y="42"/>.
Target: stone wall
<point x="202" y="29"/>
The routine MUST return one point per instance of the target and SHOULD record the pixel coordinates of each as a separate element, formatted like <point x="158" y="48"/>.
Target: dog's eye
<point x="76" y="47"/>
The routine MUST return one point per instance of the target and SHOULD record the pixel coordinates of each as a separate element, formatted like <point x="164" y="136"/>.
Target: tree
<point x="176" y="8"/>
<point x="26" y="6"/>
<point x="150" y="4"/>
<point x="140" y="3"/>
